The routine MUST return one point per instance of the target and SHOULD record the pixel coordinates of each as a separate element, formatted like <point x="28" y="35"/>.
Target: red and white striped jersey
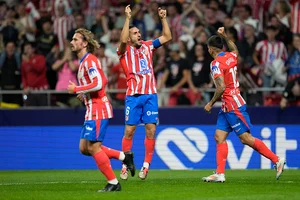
<point x="295" y="18"/>
<point x="225" y="64"/>
<point x="269" y="52"/>
<point x="62" y="25"/>
<point x="92" y="82"/>
<point x="138" y="68"/>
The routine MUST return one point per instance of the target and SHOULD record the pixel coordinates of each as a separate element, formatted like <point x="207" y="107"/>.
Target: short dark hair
<point x="131" y="26"/>
<point x="215" y="41"/>
<point x="271" y="27"/>
<point x="248" y="9"/>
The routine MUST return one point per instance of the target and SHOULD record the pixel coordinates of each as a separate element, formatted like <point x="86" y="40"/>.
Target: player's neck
<point x="81" y="53"/>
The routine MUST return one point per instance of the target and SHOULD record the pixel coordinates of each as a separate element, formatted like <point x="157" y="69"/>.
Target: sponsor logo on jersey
<point x="93" y="72"/>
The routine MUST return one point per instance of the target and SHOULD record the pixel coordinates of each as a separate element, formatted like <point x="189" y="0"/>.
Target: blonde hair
<point x="89" y="37"/>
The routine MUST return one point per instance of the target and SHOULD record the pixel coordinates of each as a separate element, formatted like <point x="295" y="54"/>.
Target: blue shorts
<point x="141" y="109"/>
<point x="237" y="120"/>
<point x="94" y="130"/>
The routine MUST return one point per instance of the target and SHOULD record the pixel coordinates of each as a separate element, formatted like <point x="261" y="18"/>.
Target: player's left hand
<point x="162" y="13"/>
<point x="208" y="107"/>
<point x="71" y="87"/>
<point x="221" y="32"/>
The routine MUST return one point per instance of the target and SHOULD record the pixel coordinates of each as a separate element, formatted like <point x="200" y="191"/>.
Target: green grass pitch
<point x="164" y="185"/>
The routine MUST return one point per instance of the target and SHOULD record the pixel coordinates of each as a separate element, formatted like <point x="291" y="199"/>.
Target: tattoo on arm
<point x="220" y="88"/>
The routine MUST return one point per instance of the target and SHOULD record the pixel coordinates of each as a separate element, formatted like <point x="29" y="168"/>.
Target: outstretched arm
<point x="230" y="43"/>
<point x="125" y="31"/>
<point x="166" y="32"/>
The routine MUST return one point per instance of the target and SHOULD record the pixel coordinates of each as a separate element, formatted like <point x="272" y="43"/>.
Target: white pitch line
<point x="47" y="183"/>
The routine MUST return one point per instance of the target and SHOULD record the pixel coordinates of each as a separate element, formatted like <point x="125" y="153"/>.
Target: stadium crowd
<point x="35" y="52"/>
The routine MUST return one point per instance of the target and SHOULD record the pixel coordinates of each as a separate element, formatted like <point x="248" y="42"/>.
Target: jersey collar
<point x="85" y="55"/>
<point x="221" y="53"/>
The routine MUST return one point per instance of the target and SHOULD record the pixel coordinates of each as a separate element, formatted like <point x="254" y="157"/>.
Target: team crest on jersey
<point x="215" y="70"/>
<point x="93" y="72"/>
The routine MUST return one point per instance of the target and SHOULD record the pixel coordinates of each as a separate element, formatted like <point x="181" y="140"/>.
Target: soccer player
<point x="141" y="106"/>
<point x="91" y="91"/>
<point x="233" y="115"/>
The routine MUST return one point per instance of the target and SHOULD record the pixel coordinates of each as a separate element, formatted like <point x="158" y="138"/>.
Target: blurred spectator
<point x="106" y="62"/>
<point x="63" y="23"/>
<point x="283" y="12"/>
<point x="92" y="11"/>
<point x="10" y="27"/>
<point x="245" y="16"/>
<point x="33" y="71"/>
<point x="3" y="11"/>
<point x="284" y="34"/>
<point x="295" y="22"/>
<point x="247" y="46"/>
<point x="47" y="42"/>
<point x="175" y="77"/>
<point x="199" y="75"/>
<point x="174" y="22"/>
<point x="28" y="23"/>
<point x="10" y="64"/>
<point x="79" y="23"/>
<point x="269" y="50"/>
<point x="118" y="81"/>
<point x="100" y="27"/>
<point x="190" y="16"/>
<point x="211" y="20"/>
<point x="111" y="40"/>
<point x="31" y="10"/>
<point x="138" y="19"/>
<point x="291" y="95"/>
<point x="67" y="68"/>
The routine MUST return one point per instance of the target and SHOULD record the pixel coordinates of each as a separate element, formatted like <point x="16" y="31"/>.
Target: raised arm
<point x="166" y="32"/>
<point x="125" y="31"/>
<point x="232" y="47"/>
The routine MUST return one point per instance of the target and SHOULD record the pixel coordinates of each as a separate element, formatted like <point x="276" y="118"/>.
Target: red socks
<point x="111" y="153"/>
<point x="104" y="166"/>
<point x="222" y="153"/>
<point x="149" y="149"/>
<point x="126" y="144"/>
<point x="261" y="148"/>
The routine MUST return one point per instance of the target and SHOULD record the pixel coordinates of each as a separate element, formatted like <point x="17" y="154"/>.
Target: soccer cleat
<point x="143" y="173"/>
<point x="111" y="188"/>
<point x="279" y="167"/>
<point x="124" y="172"/>
<point x="217" y="178"/>
<point x="128" y="161"/>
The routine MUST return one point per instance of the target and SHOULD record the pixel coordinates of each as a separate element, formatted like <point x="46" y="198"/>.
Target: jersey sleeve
<point x="92" y="68"/>
<point x="216" y="69"/>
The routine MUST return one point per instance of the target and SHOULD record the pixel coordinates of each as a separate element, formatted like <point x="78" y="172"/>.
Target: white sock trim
<point x="114" y="181"/>
<point x="121" y="156"/>
<point x="146" y="165"/>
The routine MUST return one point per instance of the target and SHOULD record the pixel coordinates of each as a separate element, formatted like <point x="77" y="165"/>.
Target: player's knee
<point x="218" y="139"/>
<point x="83" y="150"/>
<point x="129" y="132"/>
<point x="150" y="133"/>
<point x="246" y="138"/>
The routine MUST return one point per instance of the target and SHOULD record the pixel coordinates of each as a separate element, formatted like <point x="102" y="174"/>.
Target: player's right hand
<point x="221" y="32"/>
<point x="80" y="97"/>
<point x="128" y="12"/>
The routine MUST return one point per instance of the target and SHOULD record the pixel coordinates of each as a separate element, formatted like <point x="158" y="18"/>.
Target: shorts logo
<point x="127" y="113"/>
<point x="86" y="134"/>
<point x="151" y="113"/>
<point x="236" y="125"/>
<point x="88" y="128"/>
